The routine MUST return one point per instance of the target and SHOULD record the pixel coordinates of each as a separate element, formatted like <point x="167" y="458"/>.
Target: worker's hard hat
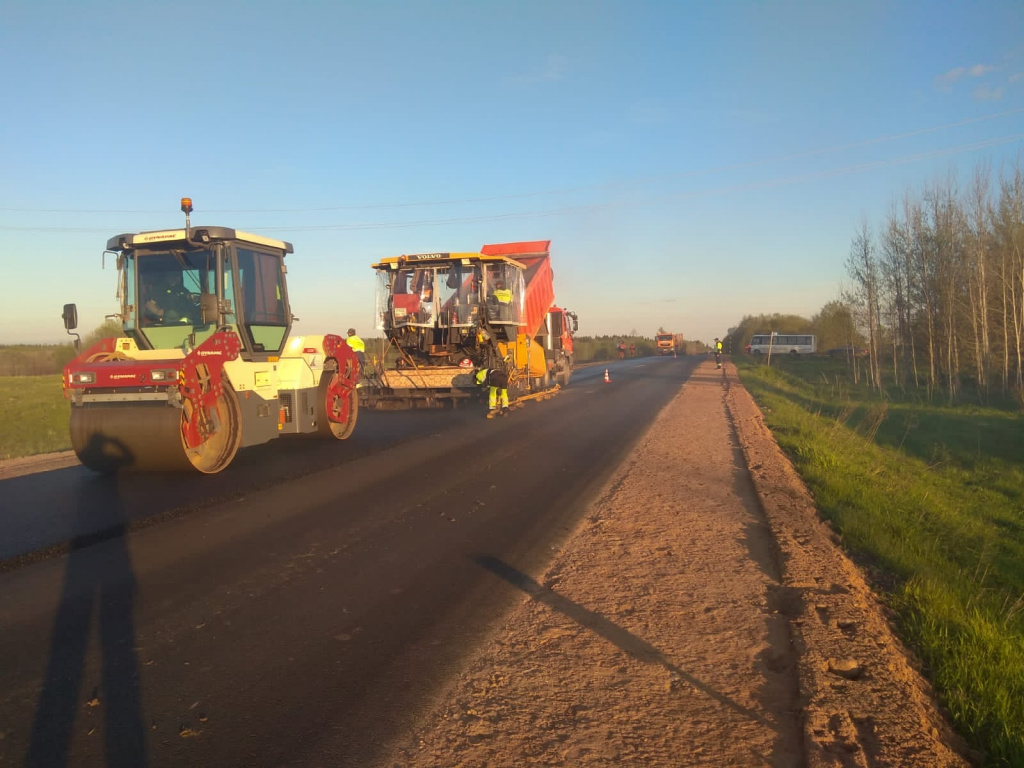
<point x="351" y="331"/>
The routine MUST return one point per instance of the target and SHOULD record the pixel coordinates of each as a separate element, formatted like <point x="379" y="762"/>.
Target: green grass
<point x="931" y="498"/>
<point x="34" y="414"/>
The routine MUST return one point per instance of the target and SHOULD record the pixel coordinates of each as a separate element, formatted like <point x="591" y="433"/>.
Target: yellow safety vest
<point x="503" y="295"/>
<point x="356" y="344"/>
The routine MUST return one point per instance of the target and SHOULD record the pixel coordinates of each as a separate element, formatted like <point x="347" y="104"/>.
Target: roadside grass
<point x="931" y="499"/>
<point x="34" y="415"/>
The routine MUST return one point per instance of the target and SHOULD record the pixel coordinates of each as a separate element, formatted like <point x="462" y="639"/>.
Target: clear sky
<point x="691" y="162"/>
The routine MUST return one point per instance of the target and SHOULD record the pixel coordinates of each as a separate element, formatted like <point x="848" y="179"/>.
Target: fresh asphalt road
<point x="301" y="607"/>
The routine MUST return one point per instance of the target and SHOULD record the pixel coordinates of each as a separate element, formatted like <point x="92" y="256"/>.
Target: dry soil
<point x="700" y="614"/>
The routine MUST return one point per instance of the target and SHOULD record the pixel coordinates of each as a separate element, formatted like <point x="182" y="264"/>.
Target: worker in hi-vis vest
<point x="497" y="380"/>
<point x="502" y="297"/>
<point x="718" y="353"/>
<point x="358" y="346"/>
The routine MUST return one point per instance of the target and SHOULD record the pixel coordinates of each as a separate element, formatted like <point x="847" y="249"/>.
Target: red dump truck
<point x="544" y="342"/>
<point x="444" y="315"/>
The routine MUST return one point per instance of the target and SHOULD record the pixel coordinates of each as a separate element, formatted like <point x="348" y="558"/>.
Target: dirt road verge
<point x="28" y="465"/>
<point x="700" y="614"/>
<point x="864" y="702"/>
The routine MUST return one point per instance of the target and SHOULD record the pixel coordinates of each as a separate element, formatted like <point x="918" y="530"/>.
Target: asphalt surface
<point x="302" y="607"/>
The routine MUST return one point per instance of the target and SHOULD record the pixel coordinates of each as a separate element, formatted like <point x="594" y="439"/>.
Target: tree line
<point x="45" y="359"/>
<point x="937" y="288"/>
<point x="936" y="293"/>
<point x="834" y="326"/>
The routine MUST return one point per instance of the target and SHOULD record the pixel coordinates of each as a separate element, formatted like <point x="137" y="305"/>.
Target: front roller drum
<point x="149" y="437"/>
<point x="222" y="435"/>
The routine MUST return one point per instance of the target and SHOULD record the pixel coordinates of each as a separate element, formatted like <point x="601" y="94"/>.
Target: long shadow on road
<point x="99" y="581"/>
<point x="610" y="631"/>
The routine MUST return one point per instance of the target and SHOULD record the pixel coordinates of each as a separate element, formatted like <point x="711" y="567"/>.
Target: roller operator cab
<point x="206" y="363"/>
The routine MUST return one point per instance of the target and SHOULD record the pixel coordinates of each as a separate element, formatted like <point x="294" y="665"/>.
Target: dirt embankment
<point x="699" y="615"/>
<point x="27" y="465"/>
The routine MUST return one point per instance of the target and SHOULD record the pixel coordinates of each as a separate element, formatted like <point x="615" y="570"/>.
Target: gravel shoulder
<point x="700" y="614"/>
<point x="28" y="465"/>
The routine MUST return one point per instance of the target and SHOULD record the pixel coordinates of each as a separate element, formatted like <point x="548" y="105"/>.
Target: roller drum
<point x="138" y="437"/>
<point x="147" y="437"/>
<point x="327" y="405"/>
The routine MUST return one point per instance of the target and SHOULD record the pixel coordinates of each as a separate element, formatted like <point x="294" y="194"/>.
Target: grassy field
<point x="931" y="499"/>
<point x="34" y="414"/>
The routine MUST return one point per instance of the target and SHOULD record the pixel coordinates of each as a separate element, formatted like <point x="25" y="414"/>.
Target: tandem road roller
<point x="206" y="364"/>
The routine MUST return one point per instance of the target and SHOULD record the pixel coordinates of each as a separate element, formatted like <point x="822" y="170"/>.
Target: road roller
<point x="206" y="363"/>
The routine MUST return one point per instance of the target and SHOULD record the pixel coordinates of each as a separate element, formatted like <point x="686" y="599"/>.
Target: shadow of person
<point x="99" y="580"/>
<point x="623" y="639"/>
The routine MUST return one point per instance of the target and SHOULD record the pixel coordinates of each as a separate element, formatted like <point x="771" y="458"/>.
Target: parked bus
<point x="783" y="344"/>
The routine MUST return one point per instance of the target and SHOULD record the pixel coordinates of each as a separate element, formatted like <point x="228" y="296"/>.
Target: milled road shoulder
<point x="28" y="465"/>
<point x="700" y="614"/>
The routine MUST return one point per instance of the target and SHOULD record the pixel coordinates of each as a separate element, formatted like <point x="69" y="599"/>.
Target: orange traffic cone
<point x="606" y="376"/>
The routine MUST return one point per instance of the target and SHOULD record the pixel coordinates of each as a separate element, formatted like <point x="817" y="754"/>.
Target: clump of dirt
<point x="701" y="614"/>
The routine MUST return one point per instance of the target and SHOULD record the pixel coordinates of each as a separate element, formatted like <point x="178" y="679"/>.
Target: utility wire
<point x="617" y="204"/>
<point x="566" y="190"/>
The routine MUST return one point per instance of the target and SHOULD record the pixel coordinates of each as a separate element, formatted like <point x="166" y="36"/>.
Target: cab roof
<point x="131" y="240"/>
<point x="395" y="262"/>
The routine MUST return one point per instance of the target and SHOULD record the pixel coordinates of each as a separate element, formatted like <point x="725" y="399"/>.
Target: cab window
<point x="260" y="288"/>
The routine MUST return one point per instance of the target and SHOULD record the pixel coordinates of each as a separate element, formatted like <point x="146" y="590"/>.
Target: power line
<point x="565" y="190"/>
<point x="782" y="181"/>
<point x="619" y="204"/>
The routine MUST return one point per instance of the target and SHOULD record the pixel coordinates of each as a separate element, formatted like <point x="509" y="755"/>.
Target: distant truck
<point x="669" y="343"/>
<point x="445" y="315"/>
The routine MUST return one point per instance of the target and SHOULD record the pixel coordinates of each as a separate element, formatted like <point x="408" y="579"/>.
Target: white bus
<point x="783" y="344"/>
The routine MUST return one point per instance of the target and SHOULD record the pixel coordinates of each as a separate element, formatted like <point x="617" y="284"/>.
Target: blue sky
<point x="690" y="162"/>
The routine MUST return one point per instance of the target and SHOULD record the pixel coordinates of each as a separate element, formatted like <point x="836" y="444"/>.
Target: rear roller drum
<point x="332" y="403"/>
